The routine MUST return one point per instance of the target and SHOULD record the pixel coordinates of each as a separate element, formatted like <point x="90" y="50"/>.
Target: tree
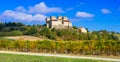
<point x="53" y="30"/>
<point x="48" y="33"/>
<point x="44" y="31"/>
<point x="16" y="33"/>
<point x="33" y="31"/>
<point x="59" y="33"/>
<point x="1" y="25"/>
<point x="74" y="27"/>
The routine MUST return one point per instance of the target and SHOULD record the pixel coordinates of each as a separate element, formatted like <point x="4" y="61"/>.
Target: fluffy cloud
<point x="84" y="14"/>
<point x="40" y="8"/>
<point x="23" y="16"/>
<point x="21" y="9"/>
<point x="105" y="11"/>
<point x="43" y="8"/>
<point x="30" y="14"/>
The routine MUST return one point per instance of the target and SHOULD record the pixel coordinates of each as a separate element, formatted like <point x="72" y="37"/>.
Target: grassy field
<point x="26" y="58"/>
<point x="4" y="39"/>
<point x="30" y="38"/>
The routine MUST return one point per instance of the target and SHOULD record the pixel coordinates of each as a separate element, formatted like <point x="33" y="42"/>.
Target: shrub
<point x="12" y="33"/>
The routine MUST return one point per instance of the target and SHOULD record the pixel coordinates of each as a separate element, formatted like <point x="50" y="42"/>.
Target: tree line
<point x="17" y="29"/>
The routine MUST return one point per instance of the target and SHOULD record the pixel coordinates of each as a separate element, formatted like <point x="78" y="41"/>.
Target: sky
<point x="91" y="14"/>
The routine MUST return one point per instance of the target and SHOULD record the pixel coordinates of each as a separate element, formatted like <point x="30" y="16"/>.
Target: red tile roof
<point x="66" y="20"/>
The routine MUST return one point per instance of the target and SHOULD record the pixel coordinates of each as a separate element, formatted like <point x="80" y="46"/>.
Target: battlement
<point x="53" y="18"/>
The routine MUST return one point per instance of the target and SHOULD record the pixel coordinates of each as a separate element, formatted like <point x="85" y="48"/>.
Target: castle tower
<point x="47" y="22"/>
<point x="59" y="17"/>
<point x="65" y="18"/>
<point x="47" y="19"/>
<point x="53" y="18"/>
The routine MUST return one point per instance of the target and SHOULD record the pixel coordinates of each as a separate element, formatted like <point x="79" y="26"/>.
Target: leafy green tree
<point x="33" y="31"/>
<point x="44" y="31"/>
<point x="53" y="30"/>
<point x="74" y="27"/>
<point x="48" y="33"/>
<point x="59" y="33"/>
<point x="16" y="33"/>
<point x="1" y="25"/>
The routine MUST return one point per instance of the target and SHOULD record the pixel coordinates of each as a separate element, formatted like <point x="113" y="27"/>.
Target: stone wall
<point x="59" y="23"/>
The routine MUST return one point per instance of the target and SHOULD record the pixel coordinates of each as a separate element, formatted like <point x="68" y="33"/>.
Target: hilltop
<point x="19" y="29"/>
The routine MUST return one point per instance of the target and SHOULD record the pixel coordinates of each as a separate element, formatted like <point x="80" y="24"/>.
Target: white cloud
<point x="33" y="13"/>
<point x="39" y="17"/>
<point x="23" y="16"/>
<point x="21" y="9"/>
<point x="105" y="11"/>
<point x="43" y="8"/>
<point x="84" y="14"/>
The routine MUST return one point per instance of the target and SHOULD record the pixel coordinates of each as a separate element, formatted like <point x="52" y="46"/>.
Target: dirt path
<point x="61" y="55"/>
<point x="30" y="38"/>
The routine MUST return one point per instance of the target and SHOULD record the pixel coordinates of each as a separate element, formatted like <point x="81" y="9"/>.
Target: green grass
<point x="5" y="39"/>
<point x="118" y="35"/>
<point x="28" y="58"/>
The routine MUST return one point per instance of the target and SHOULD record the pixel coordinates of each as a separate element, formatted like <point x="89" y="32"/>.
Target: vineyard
<point x="83" y="47"/>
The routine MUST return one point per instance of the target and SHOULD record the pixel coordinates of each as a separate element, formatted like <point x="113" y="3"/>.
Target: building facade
<point x="82" y="30"/>
<point x="58" y="23"/>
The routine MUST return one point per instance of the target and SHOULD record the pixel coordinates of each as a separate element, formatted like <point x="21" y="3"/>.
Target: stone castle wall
<point x="59" y="23"/>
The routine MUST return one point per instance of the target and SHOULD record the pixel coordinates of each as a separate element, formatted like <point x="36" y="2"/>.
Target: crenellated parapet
<point x="65" y="18"/>
<point x="58" y="18"/>
<point x="53" y="18"/>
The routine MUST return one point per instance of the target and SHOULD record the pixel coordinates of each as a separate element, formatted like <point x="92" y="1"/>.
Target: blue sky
<point x="91" y="14"/>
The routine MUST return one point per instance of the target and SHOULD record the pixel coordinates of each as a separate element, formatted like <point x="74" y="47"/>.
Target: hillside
<point x="118" y="35"/>
<point x="30" y="38"/>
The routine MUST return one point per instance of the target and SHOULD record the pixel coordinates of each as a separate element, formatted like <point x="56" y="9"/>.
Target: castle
<point x="58" y="23"/>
